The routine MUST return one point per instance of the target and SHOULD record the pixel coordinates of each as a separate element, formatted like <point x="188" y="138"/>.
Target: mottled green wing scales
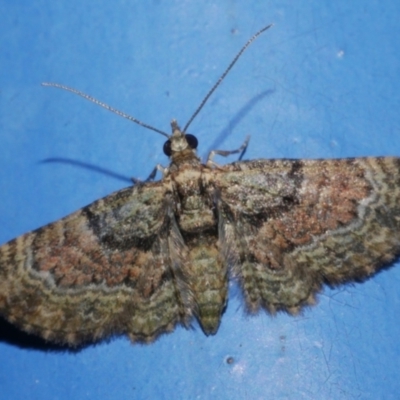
<point x="289" y="226"/>
<point x="144" y="259"/>
<point x="102" y="270"/>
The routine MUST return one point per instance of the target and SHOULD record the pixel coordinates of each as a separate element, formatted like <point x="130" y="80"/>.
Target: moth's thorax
<point x="184" y="157"/>
<point x="193" y="197"/>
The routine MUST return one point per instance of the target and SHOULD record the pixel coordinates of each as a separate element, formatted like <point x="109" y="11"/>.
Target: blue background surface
<point x="324" y="82"/>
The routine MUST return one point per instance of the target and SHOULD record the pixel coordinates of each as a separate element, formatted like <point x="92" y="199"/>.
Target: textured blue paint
<point x="324" y="82"/>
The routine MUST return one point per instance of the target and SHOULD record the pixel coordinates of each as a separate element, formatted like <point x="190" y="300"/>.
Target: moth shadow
<point x="91" y="167"/>
<point x="13" y="336"/>
<point x="217" y="143"/>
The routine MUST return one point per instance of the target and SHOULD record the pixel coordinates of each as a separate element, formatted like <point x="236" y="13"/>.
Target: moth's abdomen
<point x="208" y="282"/>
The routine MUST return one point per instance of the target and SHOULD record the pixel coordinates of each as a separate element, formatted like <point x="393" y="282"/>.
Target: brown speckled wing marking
<point x="144" y="259"/>
<point x="102" y="270"/>
<point x="289" y="226"/>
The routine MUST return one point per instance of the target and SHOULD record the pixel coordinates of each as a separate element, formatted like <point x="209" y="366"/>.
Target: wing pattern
<point x="289" y="226"/>
<point x="147" y="258"/>
<point x="104" y="269"/>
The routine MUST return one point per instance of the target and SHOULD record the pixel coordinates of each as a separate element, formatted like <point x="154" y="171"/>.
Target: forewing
<point x="288" y="226"/>
<point x="102" y="270"/>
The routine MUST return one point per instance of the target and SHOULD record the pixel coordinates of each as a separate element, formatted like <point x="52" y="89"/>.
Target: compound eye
<point x="192" y="141"/>
<point x="167" y="148"/>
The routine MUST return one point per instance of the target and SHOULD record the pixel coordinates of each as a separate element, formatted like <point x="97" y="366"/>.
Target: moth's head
<point x="179" y="141"/>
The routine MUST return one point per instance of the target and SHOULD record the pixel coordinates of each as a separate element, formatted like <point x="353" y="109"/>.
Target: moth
<point x="160" y="253"/>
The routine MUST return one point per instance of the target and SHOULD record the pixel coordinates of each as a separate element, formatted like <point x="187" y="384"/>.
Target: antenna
<point x="104" y="105"/>
<point x="212" y="90"/>
<point x="130" y="118"/>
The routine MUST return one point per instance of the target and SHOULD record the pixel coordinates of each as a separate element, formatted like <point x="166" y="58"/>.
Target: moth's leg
<point x="152" y="175"/>
<point x="226" y="153"/>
